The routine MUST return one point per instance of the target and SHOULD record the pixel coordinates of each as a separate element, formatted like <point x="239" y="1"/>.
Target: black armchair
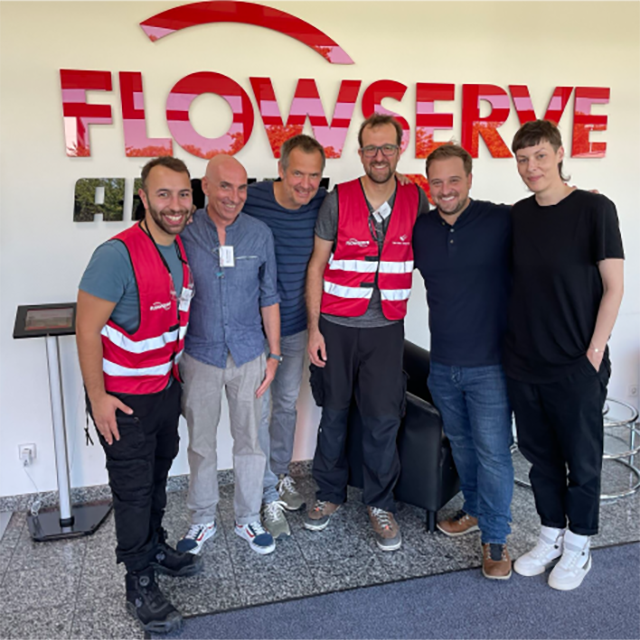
<point x="428" y="477"/>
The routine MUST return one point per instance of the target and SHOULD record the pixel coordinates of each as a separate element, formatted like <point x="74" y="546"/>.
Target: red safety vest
<point x="142" y="362"/>
<point x="350" y="274"/>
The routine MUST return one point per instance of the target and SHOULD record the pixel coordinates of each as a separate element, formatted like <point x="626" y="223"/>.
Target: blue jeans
<point x="279" y="415"/>
<point x="476" y="416"/>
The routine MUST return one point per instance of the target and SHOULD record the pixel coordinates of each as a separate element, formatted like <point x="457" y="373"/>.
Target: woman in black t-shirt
<point x="567" y="289"/>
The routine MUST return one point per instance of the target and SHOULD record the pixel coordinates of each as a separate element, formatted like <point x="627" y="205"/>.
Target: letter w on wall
<point x="306" y="103"/>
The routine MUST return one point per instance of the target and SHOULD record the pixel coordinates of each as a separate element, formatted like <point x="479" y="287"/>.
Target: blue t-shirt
<point x="110" y="276"/>
<point x="293" y="240"/>
<point x="466" y="271"/>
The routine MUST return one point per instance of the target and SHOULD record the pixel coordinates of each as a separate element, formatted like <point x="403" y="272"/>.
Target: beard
<point x="159" y="218"/>
<point x="380" y="178"/>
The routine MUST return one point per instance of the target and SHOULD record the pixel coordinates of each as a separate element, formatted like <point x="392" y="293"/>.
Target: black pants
<point x="138" y="465"/>
<point x="560" y="432"/>
<point x="366" y="363"/>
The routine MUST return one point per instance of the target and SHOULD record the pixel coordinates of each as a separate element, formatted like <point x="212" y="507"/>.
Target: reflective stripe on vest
<point x="396" y="267"/>
<point x="357" y="264"/>
<point x="395" y="294"/>
<point x="140" y="346"/>
<point x="347" y="292"/>
<point x="113" y="369"/>
<point x="142" y="362"/>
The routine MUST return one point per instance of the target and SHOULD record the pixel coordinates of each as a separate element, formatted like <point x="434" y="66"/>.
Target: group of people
<point x="233" y="297"/>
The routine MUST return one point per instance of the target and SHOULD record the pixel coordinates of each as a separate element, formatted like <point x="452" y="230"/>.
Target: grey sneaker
<point x="317" y="518"/>
<point x="289" y="496"/>
<point x="387" y="530"/>
<point x="274" y="521"/>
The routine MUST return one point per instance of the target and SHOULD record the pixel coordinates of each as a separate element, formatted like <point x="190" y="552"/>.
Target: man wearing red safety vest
<point x="358" y="285"/>
<point x="132" y="316"/>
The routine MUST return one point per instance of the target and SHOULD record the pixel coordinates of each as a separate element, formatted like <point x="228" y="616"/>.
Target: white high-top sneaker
<point x="574" y="565"/>
<point x="544" y="555"/>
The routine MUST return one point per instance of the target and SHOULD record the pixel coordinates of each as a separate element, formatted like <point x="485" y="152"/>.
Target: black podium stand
<point x="49" y="321"/>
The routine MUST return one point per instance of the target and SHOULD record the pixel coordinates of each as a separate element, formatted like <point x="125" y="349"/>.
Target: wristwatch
<point x="279" y="359"/>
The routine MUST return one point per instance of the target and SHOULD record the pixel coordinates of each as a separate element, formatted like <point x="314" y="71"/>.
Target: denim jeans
<point x="279" y="415"/>
<point x="476" y="416"/>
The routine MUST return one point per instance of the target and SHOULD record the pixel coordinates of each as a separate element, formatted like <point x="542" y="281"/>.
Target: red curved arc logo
<point x="178" y="18"/>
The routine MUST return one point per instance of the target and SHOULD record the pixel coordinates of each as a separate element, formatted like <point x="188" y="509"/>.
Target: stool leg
<point x="431" y="521"/>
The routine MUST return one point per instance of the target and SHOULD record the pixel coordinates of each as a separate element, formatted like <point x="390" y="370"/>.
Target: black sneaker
<point x="146" y="602"/>
<point x="173" y="563"/>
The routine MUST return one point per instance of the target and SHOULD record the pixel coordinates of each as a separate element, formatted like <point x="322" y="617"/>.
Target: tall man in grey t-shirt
<point x="358" y="283"/>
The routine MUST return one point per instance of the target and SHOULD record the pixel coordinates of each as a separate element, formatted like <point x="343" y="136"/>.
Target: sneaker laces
<point x="460" y="516"/>
<point x="496" y="552"/>
<point x="194" y="531"/>
<point x="543" y="548"/>
<point x="272" y="511"/>
<point x="287" y="483"/>
<point x="320" y="505"/>
<point x="571" y="557"/>
<point x="257" y="528"/>
<point x="383" y="517"/>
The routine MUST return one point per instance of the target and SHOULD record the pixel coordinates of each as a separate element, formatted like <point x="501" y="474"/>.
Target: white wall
<point x="43" y="252"/>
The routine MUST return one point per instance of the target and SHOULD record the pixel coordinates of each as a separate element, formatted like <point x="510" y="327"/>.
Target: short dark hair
<point x="536" y="131"/>
<point x="305" y="143"/>
<point x="379" y="120"/>
<point x="175" y="164"/>
<point x="450" y="150"/>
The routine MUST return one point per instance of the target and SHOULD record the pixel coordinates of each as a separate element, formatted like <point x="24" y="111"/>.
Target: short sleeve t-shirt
<point x="327" y="229"/>
<point x="109" y="275"/>
<point x="557" y="287"/>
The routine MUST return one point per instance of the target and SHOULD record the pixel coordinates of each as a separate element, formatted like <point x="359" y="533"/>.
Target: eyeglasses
<point x="371" y="151"/>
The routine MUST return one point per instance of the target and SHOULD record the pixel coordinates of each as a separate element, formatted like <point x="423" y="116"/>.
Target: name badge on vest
<point x="227" y="258"/>
<point x="185" y="298"/>
<point x="382" y="212"/>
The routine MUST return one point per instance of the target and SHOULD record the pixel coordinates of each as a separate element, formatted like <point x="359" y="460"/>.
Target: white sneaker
<point x="571" y="570"/>
<point x="197" y="535"/>
<point x="259" y="539"/>
<point x="544" y="555"/>
<point x="274" y="521"/>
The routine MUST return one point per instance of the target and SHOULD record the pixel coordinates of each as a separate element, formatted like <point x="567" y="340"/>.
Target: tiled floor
<point x="74" y="588"/>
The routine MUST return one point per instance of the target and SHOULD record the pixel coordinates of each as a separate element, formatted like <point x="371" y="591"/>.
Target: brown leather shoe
<point x="496" y="563"/>
<point x="387" y="530"/>
<point x="317" y="518"/>
<point x="460" y="524"/>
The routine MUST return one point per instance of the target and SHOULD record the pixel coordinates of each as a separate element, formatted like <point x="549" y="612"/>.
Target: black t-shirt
<point x="557" y="286"/>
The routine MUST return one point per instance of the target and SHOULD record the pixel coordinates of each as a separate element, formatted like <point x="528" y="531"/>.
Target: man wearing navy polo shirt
<point x="461" y="248"/>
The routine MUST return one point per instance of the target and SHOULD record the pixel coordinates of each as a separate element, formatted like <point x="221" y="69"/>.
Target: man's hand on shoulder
<point x="103" y="409"/>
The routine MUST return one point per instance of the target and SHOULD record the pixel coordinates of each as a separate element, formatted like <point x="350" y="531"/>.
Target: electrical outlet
<point x="27" y="453"/>
<point x="632" y="391"/>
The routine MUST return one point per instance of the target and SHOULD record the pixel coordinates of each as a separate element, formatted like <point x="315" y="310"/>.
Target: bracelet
<point x="278" y="358"/>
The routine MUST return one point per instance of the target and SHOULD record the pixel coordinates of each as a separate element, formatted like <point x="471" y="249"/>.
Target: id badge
<point x="185" y="298"/>
<point x="227" y="258"/>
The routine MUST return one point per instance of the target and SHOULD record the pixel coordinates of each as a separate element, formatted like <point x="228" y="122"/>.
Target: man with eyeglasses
<point x="358" y="284"/>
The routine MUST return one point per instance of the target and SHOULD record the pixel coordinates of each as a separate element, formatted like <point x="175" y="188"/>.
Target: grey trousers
<point x="201" y="401"/>
<point x="279" y="415"/>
